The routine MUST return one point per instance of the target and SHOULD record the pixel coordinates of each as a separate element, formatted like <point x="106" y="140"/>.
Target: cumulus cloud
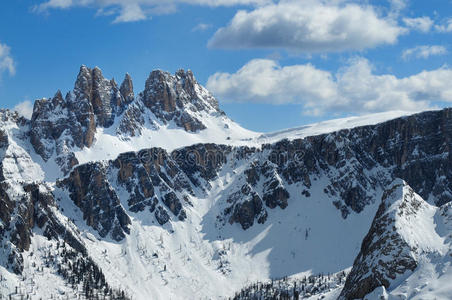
<point x="25" y="109"/>
<point x="424" y="51"/>
<point x="136" y="10"/>
<point x="263" y="80"/>
<point x="308" y="26"/>
<point x="353" y="89"/>
<point x="6" y="60"/>
<point x="423" y="24"/>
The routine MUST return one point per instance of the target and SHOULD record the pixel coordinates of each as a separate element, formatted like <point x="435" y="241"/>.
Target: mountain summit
<point x="62" y="126"/>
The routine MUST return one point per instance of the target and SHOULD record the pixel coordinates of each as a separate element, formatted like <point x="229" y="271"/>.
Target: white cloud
<point x="398" y="4"/>
<point x="202" y="27"/>
<point x="308" y="26"/>
<point x="136" y="10"/>
<point x="263" y="80"/>
<point x="353" y="89"/>
<point x="423" y="24"/>
<point x="130" y="13"/>
<point x="424" y="51"/>
<point x="6" y="61"/>
<point x="57" y="4"/>
<point x="445" y="27"/>
<point x="25" y="109"/>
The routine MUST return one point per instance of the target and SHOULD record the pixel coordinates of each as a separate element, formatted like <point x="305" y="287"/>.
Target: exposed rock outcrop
<point x="59" y="125"/>
<point x="91" y="191"/>
<point x="178" y="98"/>
<point x="19" y="217"/>
<point x="386" y="252"/>
<point x="3" y="139"/>
<point x="126" y="89"/>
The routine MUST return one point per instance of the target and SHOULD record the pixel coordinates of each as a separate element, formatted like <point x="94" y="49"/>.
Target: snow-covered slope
<point x="220" y="130"/>
<point x="108" y="145"/>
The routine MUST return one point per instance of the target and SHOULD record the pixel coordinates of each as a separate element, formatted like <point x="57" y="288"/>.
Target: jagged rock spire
<point x="126" y="89"/>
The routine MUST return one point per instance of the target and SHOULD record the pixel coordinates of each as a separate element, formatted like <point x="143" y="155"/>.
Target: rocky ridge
<point x="61" y="125"/>
<point x="352" y="164"/>
<point x="386" y="254"/>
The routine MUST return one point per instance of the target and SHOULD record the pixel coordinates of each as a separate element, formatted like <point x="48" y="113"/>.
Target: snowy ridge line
<point x="333" y="125"/>
<point x="268" y="139"/>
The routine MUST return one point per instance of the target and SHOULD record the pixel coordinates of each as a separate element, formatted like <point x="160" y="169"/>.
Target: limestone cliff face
<point x="90" y="190"/>
<point x="126" y="89"/>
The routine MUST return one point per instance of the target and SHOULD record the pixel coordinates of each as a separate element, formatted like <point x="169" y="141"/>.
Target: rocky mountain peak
<point x="58" y="98"/>
<point x="178" y="98"/>
<point x="102" y="94"/>
<point x="126" y="89"/>
<point x="61" y="123"/>
<point x="388" y="251"/>
<point x="83" y="84"/>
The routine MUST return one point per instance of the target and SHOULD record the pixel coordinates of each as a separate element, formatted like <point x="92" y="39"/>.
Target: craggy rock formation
<point x="150" y="173"/>
<point x="126" y="89"/>
<point x="92" y="193"/>
<point x="3" y="139"/>
<point x="178" y="98"/>
<point x="19" y="217"/>
<point x="58" y="125"/>
<point x="248" y="207"/>
<point x="62" y="124"/>
<point x="386" y="252"/>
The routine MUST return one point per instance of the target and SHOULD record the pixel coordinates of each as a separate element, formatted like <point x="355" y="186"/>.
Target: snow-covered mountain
<point x="100" y="119"/>
<point x="159" y="195"/>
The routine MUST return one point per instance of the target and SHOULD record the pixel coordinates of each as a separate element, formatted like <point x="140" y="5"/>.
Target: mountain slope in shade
<point x="405" y="255"/>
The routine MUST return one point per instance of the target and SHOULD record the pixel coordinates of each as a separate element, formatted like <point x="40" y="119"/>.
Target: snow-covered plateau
<point x="110" y="194"/>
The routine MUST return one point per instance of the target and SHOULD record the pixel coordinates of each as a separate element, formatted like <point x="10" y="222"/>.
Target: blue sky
<point x="271" y="64"/>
